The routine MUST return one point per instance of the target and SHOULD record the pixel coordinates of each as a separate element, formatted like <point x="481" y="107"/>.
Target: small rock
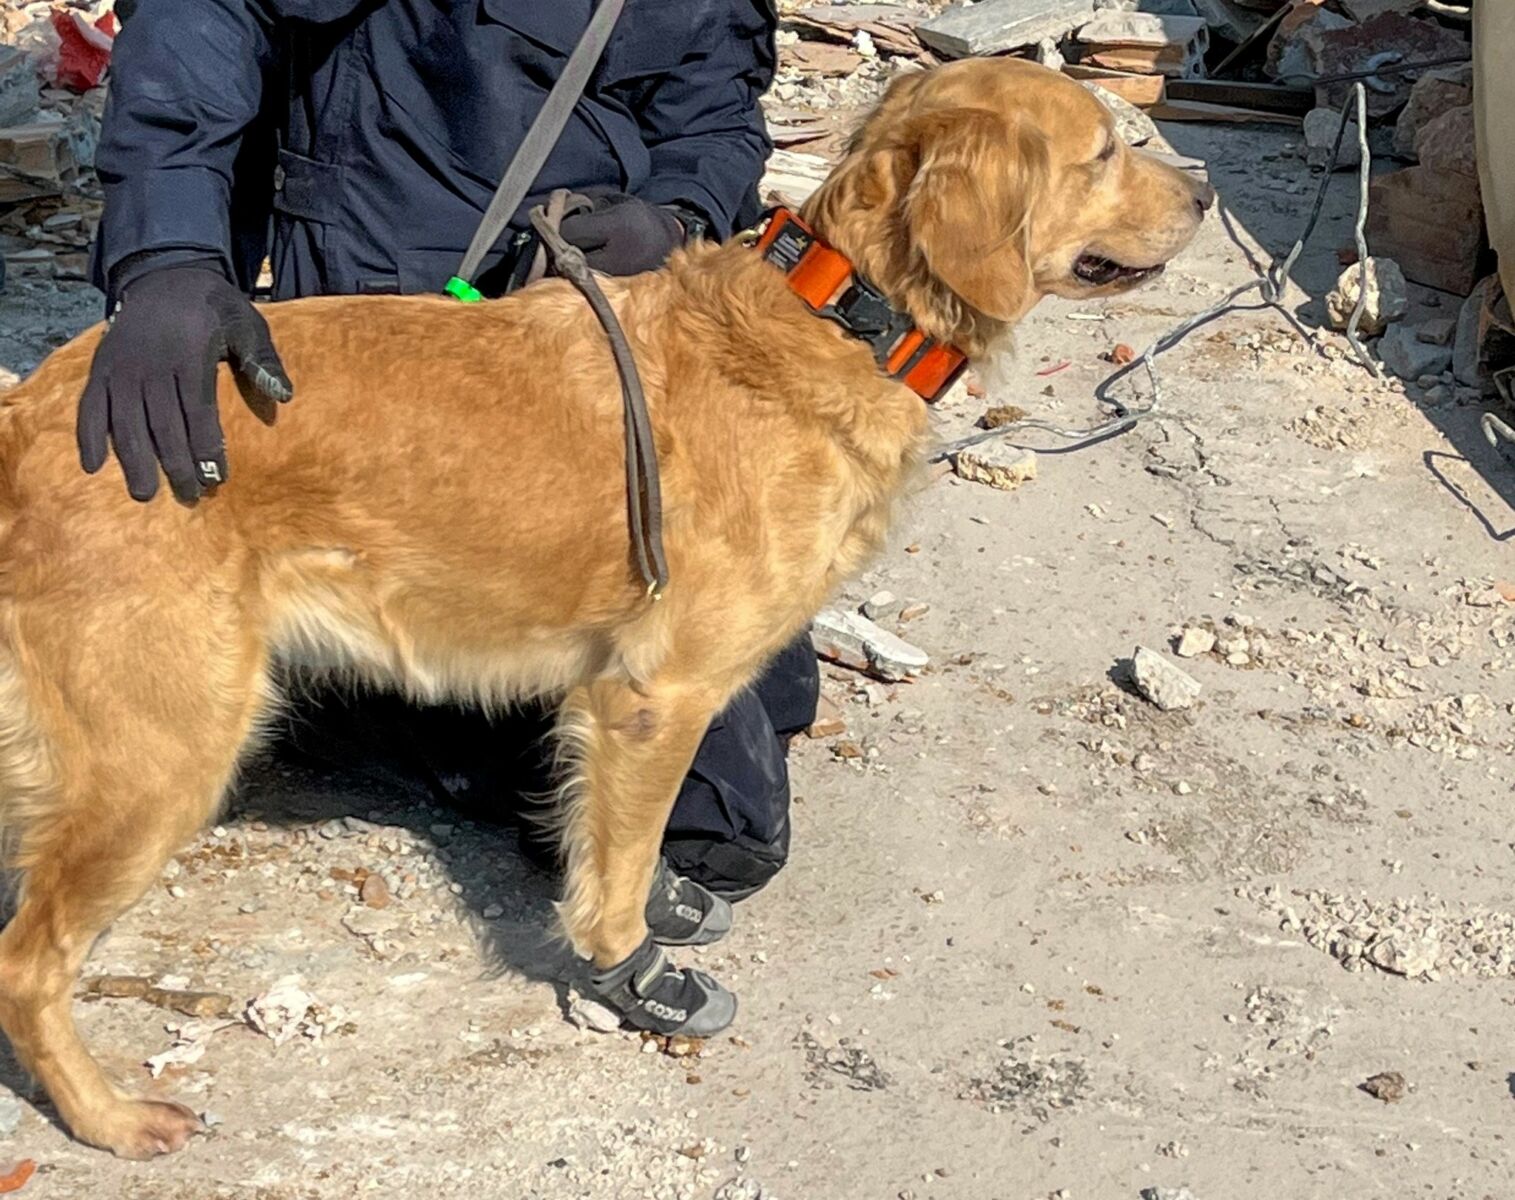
<point x="1001" y="415"/>
<point x="493" y="912"/>
<point x="1403" y="955"/>
<point x="880" y="606"/>
<point x="1321" y="125"/>
<point x="1194" y="642"/>
<point x="828" y="720"/>
<point x="913" y="611"/>
<point x="119" y="987"/>
<point x="202" y="1005"/>
<point x="1387" y="298"/>
<point x="1166" y="685"/>
<point x="1388" y="1086"/>
<point x="854" y="641"/>
<point x="1438" y="331"/>
<point x="10" y="1114"/>
<point x="1404" y="353"/>
<point x="375" y="892"/>
<point x="1003" y="467"/>
<point x="1166" y="1193"/>
<point x="591" y="1014"/>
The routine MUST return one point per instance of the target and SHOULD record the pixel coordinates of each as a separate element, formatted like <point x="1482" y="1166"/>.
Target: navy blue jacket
<point x="374" y="131"/>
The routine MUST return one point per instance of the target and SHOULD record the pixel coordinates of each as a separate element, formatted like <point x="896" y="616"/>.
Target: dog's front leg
<point x="628" y="749"/>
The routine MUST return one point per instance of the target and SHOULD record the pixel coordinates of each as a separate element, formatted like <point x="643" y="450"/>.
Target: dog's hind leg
<point x="140" y="739"/>
<point x="628" y="750"/>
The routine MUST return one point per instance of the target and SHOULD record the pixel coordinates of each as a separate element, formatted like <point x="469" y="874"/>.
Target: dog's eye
<point x="1108" y="152"/>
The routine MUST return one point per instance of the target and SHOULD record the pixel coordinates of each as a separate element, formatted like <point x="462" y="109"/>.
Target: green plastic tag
<point x="461" y="289"/>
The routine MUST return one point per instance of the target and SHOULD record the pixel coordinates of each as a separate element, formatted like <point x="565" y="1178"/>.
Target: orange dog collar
<point x="825" y="280"/>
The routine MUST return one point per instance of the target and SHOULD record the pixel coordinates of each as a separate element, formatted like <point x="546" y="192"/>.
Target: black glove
<point x="152" y="385"/>
<point x="622" y="235"/>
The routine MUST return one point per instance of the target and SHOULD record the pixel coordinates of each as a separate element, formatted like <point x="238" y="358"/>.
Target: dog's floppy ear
<point x="977" y="183"/>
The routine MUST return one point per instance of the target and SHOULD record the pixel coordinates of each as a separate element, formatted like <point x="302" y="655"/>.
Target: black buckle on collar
<point x="863" y="312"/>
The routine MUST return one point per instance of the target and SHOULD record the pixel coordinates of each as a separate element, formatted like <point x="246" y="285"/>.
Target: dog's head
<point x="977" y="188"/>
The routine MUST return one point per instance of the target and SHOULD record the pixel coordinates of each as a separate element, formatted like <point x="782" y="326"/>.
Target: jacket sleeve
<point x="702" y="124"/>
<point x="187" y="82"/>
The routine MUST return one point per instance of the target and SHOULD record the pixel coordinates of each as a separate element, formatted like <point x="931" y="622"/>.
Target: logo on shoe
<point x="689" y="913"/>
<point x="665" y="1012"/>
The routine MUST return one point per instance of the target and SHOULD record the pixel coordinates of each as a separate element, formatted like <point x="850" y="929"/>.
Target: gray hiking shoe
<point x="680" y="912"/>
<point x="650" y="993"/>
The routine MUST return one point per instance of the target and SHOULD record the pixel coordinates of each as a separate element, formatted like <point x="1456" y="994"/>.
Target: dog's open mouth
<point x="1098" y="271"/>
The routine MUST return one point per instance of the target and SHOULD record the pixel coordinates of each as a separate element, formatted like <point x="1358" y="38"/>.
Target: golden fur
<point x="443" y="511"/>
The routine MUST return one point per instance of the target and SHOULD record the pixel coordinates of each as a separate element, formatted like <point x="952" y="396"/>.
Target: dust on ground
<point x="1037" y="937"/>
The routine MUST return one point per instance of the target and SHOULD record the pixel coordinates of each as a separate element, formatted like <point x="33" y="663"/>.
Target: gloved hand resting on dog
<point x="151" y="393"/>
<point x="622" y="235"/>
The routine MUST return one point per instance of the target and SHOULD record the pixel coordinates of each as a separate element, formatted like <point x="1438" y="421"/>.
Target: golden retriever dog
<point x="443" y="510"/>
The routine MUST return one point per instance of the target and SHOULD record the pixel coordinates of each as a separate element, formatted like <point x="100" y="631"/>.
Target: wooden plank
<point x="1195" y="110"/>
<point x="1140" y="90"/>
<point x="995" y="26"/>
<point x="1274" y="97"/>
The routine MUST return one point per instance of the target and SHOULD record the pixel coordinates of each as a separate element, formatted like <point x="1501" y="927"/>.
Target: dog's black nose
<point x="1205" y="198"/>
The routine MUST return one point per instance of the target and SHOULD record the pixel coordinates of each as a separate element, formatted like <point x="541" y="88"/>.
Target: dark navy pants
<point x="730" y="824"/>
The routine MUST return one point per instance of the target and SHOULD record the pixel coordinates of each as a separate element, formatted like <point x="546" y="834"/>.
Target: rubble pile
<point x="1422" y="938"/>
<point x="52" y="65"/>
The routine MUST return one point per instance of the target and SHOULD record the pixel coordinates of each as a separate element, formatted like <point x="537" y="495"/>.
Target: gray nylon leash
<point x="540" y="138"/>
<point x="643" y="488"/>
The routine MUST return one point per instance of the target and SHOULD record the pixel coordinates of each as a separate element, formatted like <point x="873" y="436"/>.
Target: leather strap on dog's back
<point x="644" y="496"/>
<point x="826" y="280"/>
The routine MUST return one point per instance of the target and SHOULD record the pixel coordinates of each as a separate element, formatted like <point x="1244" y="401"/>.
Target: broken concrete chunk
<point x="854" y="641"/>
<point x="1447" y="142"/>
<point x="591" y="1014"/>
<point x="1467" y="345"/>
<point x="1135" y="127"/>
<point x="1387" y="298"/>
<point x="1439" y="331"/>
<point x="1320" y="129"/>
<point x="880" y="606"/>
<point x="1145" y="42"/>
<point x="1003" y="467"/>
<point x="1194" y="642"/>
<point x="994" y="26"/>
<point x="1314" y="43"/>
<point x="1408" y="356"/>
<point x="1434" y="93"/>
<point x="1295" y="48"/>
<point x="1431" y="223"/>
<point x="19" y="90"/>
<point x="1388" y="1086"/>
<point x="1166" y="685"/>
<point x="1404" y="954"/>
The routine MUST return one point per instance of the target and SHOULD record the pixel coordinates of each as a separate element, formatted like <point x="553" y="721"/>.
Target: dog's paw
<point x="143" y="1129"/>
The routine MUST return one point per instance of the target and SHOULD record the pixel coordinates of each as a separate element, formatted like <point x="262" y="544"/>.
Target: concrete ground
<point x="1038" y="938"/>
